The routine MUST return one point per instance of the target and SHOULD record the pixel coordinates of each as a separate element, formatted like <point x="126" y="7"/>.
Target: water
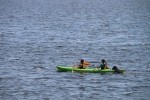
<point x="36" y="36"/>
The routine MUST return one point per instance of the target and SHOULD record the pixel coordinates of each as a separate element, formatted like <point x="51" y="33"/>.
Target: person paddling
<point x="83" y="64"/>
<point x="103" y="64"/>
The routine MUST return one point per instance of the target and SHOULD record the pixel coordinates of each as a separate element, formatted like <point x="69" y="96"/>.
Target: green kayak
<point x="88" y="70"/>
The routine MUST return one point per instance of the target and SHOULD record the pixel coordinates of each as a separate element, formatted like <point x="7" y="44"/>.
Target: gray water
<point x="38" y="35"/>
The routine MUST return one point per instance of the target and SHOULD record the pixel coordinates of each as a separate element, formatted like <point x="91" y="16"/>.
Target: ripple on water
<point x="37" y="36"/>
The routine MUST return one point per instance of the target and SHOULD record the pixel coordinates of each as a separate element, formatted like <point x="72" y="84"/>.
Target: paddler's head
<point x="103" y="61"/>
<point x="82" y="61"/>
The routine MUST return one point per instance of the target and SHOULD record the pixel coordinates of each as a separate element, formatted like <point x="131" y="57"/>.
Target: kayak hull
<point x="86" y="70"/>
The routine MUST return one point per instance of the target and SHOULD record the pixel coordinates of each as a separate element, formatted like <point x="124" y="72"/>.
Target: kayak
<point x="87" y="70"/>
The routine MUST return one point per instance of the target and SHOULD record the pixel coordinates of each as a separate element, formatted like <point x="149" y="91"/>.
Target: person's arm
<point x="86" y="63"/>
<point x="106" y="66"/>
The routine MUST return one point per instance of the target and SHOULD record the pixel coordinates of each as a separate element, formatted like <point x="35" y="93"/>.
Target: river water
<point x="38" y="35"/>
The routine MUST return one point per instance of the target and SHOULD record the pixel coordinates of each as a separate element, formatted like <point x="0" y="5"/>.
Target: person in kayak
<point x="83" y="64"/>
<point x="103" y="64"/>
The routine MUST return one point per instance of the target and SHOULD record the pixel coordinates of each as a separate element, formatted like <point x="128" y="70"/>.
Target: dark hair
<point x="82" y="60"/>
<point x="103" y="60"/>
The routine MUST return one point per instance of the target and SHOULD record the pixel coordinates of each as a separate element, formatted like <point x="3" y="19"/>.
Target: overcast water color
<point x="38" y="35"/>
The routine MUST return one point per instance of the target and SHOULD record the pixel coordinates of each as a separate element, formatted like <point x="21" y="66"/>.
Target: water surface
<point x="36" y="36"/>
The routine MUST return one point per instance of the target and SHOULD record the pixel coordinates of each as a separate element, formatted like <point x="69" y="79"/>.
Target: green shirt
<point x="102" y="66"/>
